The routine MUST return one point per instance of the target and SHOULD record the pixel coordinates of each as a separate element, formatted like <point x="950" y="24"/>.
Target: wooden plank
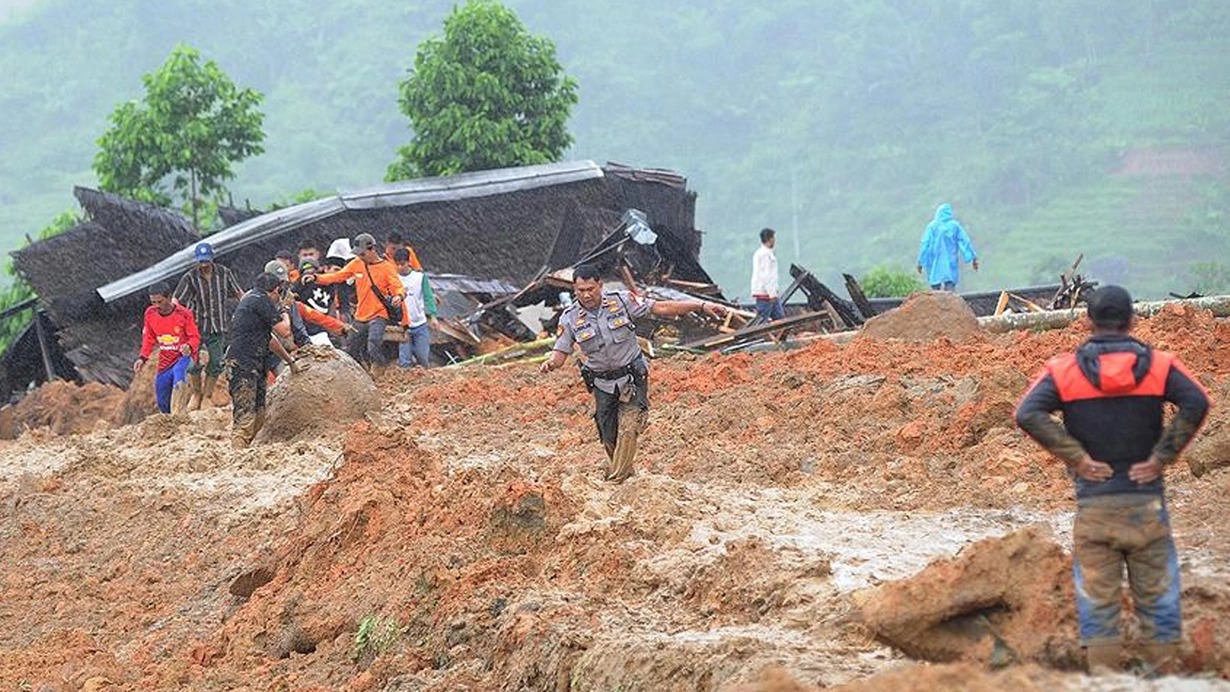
<point x="1002" y="304"/>
<point x="859" y="298"/>
<point x="755" y="331"/>
<point x="818" y="294"/>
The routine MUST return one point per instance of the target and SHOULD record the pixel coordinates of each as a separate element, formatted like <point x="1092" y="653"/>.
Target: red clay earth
<point x="460" y="538"/>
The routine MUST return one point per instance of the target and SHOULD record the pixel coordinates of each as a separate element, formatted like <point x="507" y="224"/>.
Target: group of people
<point x="349" y="299"/>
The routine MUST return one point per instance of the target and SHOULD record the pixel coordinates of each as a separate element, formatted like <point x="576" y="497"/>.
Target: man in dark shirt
<point x="1111" y="392"/>
<point x="251" y="341"/>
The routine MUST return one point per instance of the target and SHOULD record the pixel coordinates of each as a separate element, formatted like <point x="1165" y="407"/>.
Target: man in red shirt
<point x="172" y="329"/>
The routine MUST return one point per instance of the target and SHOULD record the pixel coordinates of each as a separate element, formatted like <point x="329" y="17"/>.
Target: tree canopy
<point x="487" y="94"/>
<point x="192" y="125"/>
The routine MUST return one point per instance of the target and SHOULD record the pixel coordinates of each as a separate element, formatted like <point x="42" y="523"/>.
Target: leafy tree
<point x="1209" y="278"/>
<point x="19" y="291"/>
<point x="886" y="282"/>
<point x="485" y="95"/>
<point x="192" y="125"/>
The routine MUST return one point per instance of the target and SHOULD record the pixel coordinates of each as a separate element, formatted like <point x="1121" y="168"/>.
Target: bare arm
<point x="555" y="361"/>
<point x="673" y="308"/>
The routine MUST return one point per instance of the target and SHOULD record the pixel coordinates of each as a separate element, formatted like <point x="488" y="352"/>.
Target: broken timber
<point x="821" y="299"/>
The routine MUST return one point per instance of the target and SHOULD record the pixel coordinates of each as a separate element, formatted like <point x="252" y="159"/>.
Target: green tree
<point x="19" y="291"/>
<point x="192" y="125"/>
<point x="485" y="95"/>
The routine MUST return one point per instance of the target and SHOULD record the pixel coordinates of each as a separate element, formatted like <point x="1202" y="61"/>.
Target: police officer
<point x="602" y="324"/>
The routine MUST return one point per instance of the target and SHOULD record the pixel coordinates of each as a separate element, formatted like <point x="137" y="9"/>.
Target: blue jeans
<point x="416" y="349"/>
<point x="949" y="286"/>
<point x="166" y="381"/>
<point x="769" y="310"/>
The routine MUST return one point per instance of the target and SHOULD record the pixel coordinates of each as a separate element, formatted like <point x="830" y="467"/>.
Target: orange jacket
<point x="320" y="319"/>
<point x="383" y="273"/>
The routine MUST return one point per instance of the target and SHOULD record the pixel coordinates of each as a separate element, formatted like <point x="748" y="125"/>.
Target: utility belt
<point x="637" y="370"/>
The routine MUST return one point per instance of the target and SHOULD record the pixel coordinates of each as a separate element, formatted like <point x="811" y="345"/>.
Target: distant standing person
<point x="172" y="330"/>
<point x="205" y="290"/>
<point x="252" y="340"/>
<point x="764" y="279"/>
<point x="944" y="244"/>
<point x="603" y="325"/>
<point x="1111" y="392"/>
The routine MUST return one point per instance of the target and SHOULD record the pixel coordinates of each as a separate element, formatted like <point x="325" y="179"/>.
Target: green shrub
<point x="890" y="282"/>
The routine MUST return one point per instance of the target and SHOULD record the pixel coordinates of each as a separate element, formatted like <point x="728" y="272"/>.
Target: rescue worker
<point x="1111" y="392"/>
<point x="172" y="328"/>
<point x="944" y="244"/>
<point x="205" y="290"/>
<point x="378" y="291"/>
<point x="603" y="325"/>
<point x="252" y="340"/>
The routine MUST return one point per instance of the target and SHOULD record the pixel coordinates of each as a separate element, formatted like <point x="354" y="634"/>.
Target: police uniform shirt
<point x="607" y="335"/>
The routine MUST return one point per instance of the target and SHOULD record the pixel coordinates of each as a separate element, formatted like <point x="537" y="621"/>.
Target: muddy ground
<point x="777" y="536"/>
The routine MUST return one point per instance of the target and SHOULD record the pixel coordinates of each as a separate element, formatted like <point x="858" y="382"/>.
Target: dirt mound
<point x="63" y="407"/>
<point x="925" y="317"/>
<point x="331" y="395"/>
<point x="1002" y="600"/>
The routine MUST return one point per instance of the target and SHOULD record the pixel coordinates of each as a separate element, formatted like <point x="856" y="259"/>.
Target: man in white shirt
<point x="764" y="279"/>
<point x="419" y="313"/>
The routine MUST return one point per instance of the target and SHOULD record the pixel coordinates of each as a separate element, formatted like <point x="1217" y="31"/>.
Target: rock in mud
<point x="925" y="317"/>
<point x="332" y="394"/>
<point x="1009" y="596"/>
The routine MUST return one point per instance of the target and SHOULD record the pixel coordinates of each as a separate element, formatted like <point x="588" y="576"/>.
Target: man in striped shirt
<point x="204" y="289"/>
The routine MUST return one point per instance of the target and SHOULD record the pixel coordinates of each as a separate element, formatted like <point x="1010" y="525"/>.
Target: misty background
<point x="1053" y="127"/>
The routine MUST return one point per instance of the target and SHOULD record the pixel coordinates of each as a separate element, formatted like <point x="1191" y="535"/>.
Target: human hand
<point x="545" y="367"/>
<point x="920" y="269"/>
<point x="202" y="357"/>
<point x="137" y="365"/>
<point x="713" y="309"/>
<point x="1093" y="471"/>
<point x="297" y="366"/>
<point x="434" y="322"/>
<point x="1146" y="471"/>
<point x="350" y="329"/>
<point x="975" y="264"/>
<point x="185" y="349"/>
<point x="396" y="300"/>
<point x="306" y="279"/>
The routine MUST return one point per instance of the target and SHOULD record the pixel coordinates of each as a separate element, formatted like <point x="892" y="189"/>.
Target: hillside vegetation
<point x="1053" y="128"/>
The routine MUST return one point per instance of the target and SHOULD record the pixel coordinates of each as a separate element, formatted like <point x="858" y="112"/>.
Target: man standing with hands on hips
<point x="602" y="324"/>
<point x="1111" y="392"/>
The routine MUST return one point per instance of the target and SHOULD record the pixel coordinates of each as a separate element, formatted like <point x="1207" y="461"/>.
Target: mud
<point x="925" y="317"/>
<point x="63" y="408"/>
<point x="467" y="519"/>
<point x="329" y="396"/>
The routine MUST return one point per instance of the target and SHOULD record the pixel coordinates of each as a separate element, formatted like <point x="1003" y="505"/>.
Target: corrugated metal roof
<point x="450" y="188"/>
<point x="467" y="185"/>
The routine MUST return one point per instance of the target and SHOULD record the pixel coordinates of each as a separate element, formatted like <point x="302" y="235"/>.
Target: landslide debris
<point x="329" y="396"/>
<point x="925" y="317"/>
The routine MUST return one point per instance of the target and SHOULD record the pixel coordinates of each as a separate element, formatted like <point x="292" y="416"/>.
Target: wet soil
<point x="461" y="538"/>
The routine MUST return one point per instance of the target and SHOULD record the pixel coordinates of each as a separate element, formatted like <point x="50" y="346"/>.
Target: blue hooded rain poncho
<point x="941" y="243"/>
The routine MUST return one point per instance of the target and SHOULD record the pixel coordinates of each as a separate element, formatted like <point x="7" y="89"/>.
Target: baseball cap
<point x="204" y="252"/>
<point x="1111" y="306"/>
<point x="363" y="241"/>
<point x="308" y="263"/>
<point x="277" y="269"/>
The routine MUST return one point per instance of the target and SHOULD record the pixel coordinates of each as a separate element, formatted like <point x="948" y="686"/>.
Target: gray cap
<point x="276" y="268"/>
<point x="363" y="241"/>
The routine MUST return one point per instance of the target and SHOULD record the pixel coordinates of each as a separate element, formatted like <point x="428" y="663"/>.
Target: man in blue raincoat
<point x="944" y="244"/>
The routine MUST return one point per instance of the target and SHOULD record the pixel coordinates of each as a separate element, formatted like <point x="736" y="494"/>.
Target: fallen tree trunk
<point x="1058" y="319"/>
